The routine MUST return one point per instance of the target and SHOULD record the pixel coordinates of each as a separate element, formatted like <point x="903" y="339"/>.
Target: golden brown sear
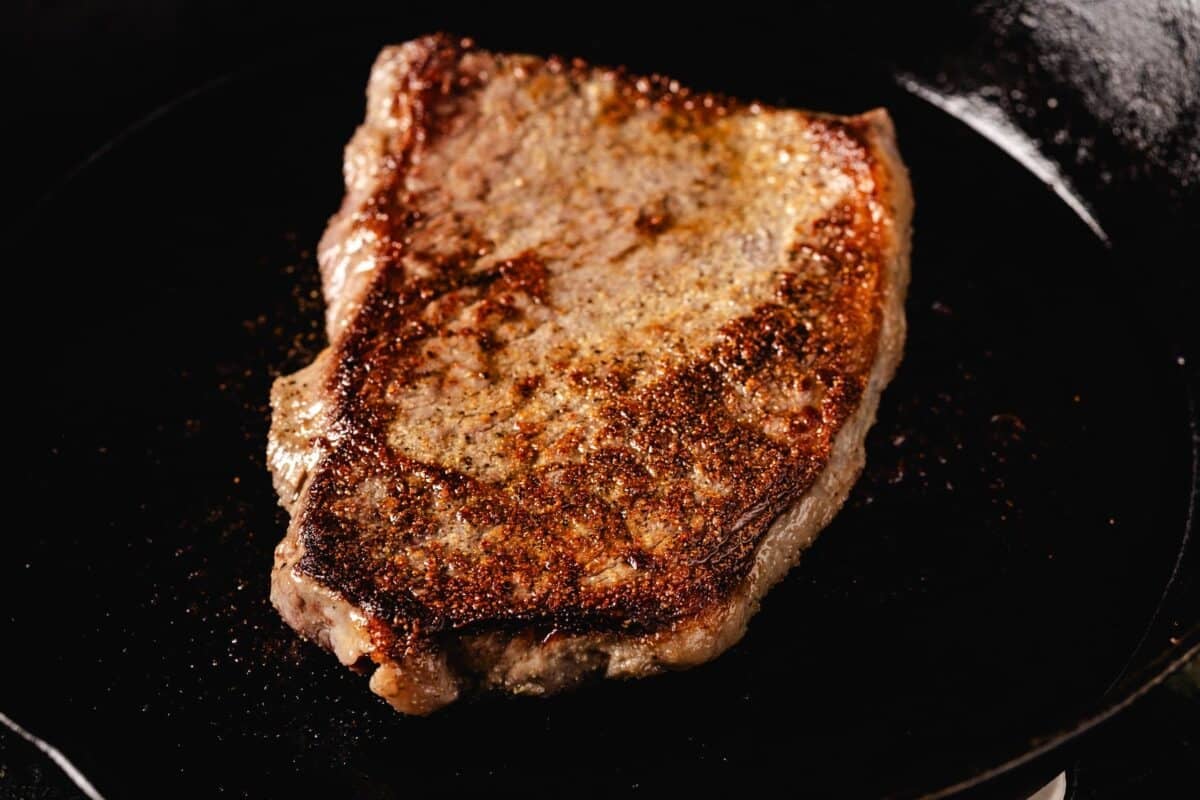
<point x="602" y="354"/>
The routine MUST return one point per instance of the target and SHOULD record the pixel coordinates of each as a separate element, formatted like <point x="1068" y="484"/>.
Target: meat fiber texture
<point x="603" y="354"/>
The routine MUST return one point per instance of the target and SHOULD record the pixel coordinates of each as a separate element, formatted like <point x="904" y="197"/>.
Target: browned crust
<point x="827" y="332"/>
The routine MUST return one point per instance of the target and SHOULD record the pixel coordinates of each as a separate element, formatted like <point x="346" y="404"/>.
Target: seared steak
<point x="603" y="352"/>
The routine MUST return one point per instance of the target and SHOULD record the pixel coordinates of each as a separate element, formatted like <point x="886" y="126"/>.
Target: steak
<point x="602" y="355"/>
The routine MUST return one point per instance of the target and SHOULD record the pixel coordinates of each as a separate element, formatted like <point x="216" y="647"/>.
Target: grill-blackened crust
<point x="591" y="335"/>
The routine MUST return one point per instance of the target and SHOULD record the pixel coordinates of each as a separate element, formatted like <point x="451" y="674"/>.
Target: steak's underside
<point x="603" y="353"/>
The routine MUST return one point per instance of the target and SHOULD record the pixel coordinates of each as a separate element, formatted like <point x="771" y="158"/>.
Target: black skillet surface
<point x="984" y="594"/>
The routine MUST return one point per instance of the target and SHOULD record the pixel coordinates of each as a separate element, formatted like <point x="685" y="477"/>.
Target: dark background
<point x="79" y="74"/>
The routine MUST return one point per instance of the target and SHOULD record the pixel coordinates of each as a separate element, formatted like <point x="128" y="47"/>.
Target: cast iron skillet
<point x="1013" y="567"/>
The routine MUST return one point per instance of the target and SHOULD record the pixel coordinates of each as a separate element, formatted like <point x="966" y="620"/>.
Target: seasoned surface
<point x="590" y="335"/>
